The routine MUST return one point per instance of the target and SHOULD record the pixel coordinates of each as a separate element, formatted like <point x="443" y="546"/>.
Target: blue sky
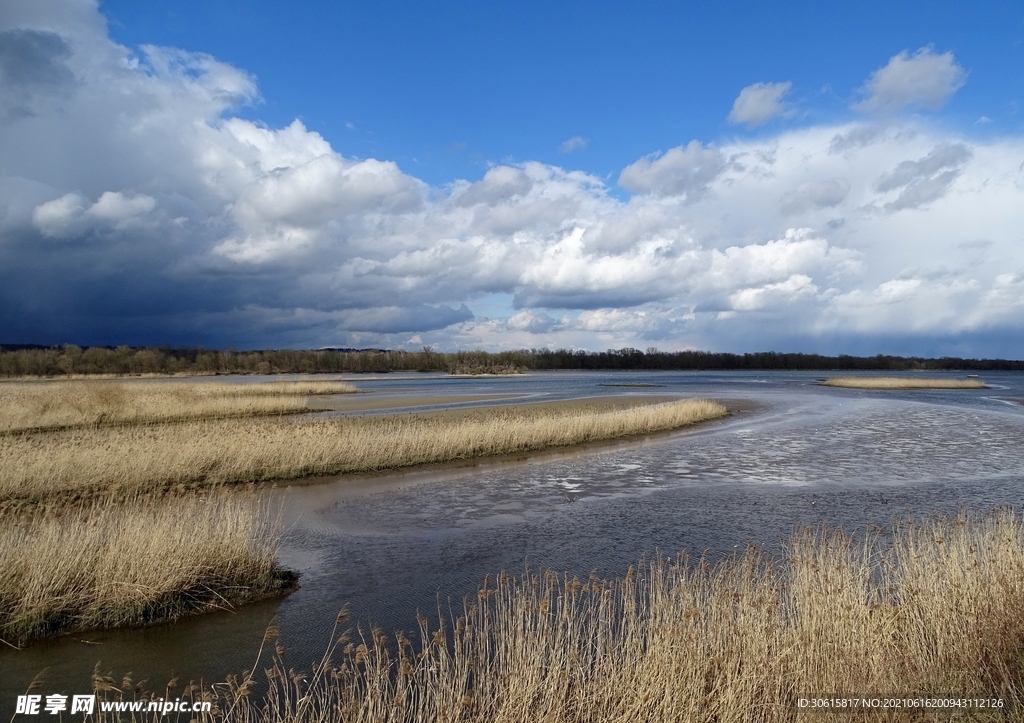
<point x="444" y="89"/>
<point x="827" y="177"/>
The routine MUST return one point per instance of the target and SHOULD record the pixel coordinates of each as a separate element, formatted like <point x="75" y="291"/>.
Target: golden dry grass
<point x="50" y="405"/>
<point x="126" y="460"/>
<point x="903" y="383"/>
<point x="127" y="563"/>
<point x="938" y="613"/>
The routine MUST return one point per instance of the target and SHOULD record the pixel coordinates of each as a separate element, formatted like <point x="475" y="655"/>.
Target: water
<point x="387" y="547"/>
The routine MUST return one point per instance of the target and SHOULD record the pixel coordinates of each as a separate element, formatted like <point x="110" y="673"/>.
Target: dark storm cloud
<point x="33" y="67"/>
<point x="34" y="58"/>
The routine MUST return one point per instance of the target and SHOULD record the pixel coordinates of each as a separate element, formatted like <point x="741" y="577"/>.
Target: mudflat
<point x="371" y="402"/>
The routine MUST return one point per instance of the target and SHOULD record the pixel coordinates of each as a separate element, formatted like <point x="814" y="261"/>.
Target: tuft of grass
<point x="932" y="610"/>
<point x="113" y="564"/>
<point x="53" y="405"/>
<point x="903" y="383"/>
<point x="128" y="460"/>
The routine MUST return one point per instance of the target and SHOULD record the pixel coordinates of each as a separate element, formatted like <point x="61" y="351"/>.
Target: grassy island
<point x="131" y="562"/>
<point x="903" y="383"/>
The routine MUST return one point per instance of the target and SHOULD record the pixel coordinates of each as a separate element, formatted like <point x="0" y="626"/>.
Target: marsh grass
<point x="903" y="383"/>
<point x="927" y="610"/>
<point x="113" y="564"/>
<point x="52" y="405"/>
<point x="127" y="460"/>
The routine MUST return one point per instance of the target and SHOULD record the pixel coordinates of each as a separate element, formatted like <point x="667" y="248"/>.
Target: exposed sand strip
<point x="903" y="383"/>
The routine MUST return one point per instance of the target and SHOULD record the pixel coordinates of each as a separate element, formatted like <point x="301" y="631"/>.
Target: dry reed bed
<point x="127" y="460"/>
<point x="42" y="406"/>
<point x="903" y="383"/>
<point x="938" y="613"/>
<point x="113" y="564"/>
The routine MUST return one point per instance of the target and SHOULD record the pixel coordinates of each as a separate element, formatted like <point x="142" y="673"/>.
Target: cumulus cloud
<point x="499" y="184"/>
<point x="776" y="261"/>
<point x="115" y="207"/>
<point x="566" y="275"/>
<point x="68" y="215"/>
<point x="615" y="320"/>
<point x="60" y="216"/>
<point x="759" y="103"/>
<point x="136" y="206"/>
<point x="682" y="171"/>
<point x="533" y="322"/>
<point x="782" y="292"/>
<point x="287" y="209"/>
<point x="925" y="79"/>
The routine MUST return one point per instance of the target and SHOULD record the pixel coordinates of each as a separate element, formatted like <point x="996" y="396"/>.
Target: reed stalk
<point x="933" y="610"/>
<point x="114" y="564"/>
<point x="54" y="405"/>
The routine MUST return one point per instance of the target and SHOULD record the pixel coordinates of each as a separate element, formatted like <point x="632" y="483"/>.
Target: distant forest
<point x="35" y="361"/>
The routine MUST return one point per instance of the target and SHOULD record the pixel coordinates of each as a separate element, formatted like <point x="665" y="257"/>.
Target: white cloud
<point x="115" y="207"/>
<point x="682" y="171"/>
<point x="776" y="261"/>
<point x="924" y="79"/>
<point x="59" y="217"/>
<point x="575" y="143"/>
<point x="288" y="210"/>
<point x="499" y="184"/>
<point x="615" y="320"/>
<point x="68" y="216"/>
<point x="759" y="103"/>
<point x="796" y="286"/>
<point x="533" y="322"/>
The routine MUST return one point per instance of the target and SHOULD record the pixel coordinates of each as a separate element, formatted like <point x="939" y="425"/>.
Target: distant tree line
<point x="18" y="361"/>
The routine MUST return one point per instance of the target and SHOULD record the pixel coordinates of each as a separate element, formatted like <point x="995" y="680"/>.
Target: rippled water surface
<point x="798" y="454"/>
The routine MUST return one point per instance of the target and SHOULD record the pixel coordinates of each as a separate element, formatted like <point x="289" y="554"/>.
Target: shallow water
<point x="389" y="546"/>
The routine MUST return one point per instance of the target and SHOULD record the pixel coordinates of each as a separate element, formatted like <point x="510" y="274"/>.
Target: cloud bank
<point x="137" y="207"/>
